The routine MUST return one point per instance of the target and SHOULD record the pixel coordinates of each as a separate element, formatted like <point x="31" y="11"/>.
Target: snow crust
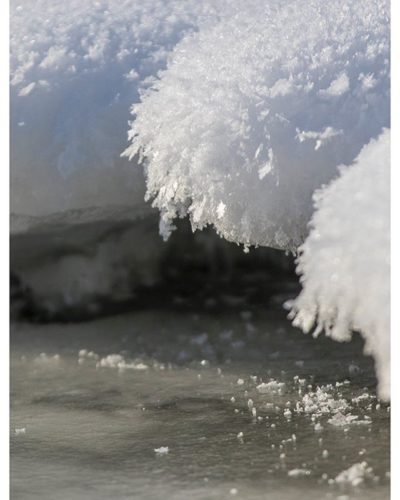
<point x="345" y="261"/>
<point x="255" y="112"/>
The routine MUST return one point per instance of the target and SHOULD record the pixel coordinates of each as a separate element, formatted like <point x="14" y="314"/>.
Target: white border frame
<point x="4" y="250"/>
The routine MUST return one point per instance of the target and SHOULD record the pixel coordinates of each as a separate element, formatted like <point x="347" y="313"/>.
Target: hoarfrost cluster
<point x="254" y="113"/>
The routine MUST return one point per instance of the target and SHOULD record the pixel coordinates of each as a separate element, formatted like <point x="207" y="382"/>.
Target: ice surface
<point x="345" y="261"/>
<point x="101" y="426"/>
<point x="255" y="112"/>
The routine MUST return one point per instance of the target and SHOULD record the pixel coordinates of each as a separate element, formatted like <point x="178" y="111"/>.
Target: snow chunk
<point x="340" y="420"/>
<point x="119" y="362"/>
<point x="299" y="472"/>
<point x="273" y="387"/>
<point x="163" y="450"/>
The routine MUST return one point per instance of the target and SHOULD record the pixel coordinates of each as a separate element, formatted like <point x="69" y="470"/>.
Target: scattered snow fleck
<point x="354" y="475"/>
<point x="271" y="387"/>
<point x="119" y="362"/>
<point x="163" y="450"/>
<point x="299" y="472"/>
<point x="340" y="420"/>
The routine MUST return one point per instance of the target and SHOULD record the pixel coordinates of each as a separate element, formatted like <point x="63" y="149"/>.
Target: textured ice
<point x="254" y="113"/>
<point x="345" y="261"/>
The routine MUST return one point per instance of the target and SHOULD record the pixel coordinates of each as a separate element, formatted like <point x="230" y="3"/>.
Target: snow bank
<point x="75" y="71"/>
<point x="255" y="112"/>
<point x="345" y="261"/>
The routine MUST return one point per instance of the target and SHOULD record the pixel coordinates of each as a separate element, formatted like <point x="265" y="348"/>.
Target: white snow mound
<point x="255" y="112"/>
<point x="345" y="261"/>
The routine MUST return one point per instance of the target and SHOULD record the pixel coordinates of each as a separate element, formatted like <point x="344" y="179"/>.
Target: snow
<point x="299" y="473"/>
<point x="239" y="112"/>
<point x="355" y="475"/>
<point x="163" y="450"/>
<point x="345" y="261"/>
<point x="76" y="68"/>
<point x="257" y="111"/>
<point x="118" y="361"/>
<point x="340" y="420"/>
<point x="273" y="387"/>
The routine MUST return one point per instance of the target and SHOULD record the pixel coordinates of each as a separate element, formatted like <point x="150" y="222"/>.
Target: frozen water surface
<point x="225" y="400"/>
